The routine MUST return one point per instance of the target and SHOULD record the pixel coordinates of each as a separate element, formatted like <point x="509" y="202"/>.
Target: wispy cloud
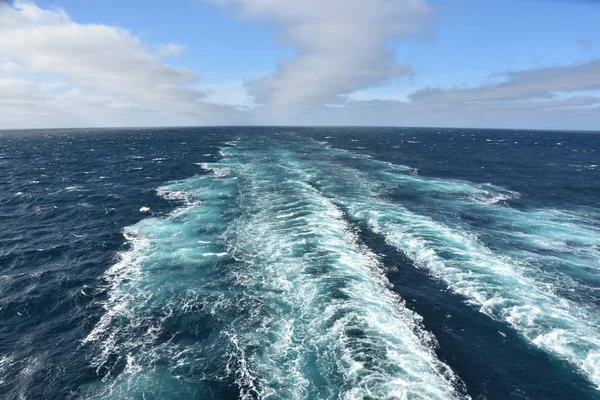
<point x="541" y="83"/>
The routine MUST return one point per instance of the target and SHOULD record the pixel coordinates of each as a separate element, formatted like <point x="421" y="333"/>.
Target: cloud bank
<point x="541" y="83"/>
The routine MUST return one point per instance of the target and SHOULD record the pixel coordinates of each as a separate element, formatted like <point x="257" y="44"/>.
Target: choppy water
<point x="288" y="263"/>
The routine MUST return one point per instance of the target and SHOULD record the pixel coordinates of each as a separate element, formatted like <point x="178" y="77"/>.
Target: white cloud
<point x="170" y="50"/>
<point x="229" y="93"/>
<point x="56" y="72"/>
<point x="341" y="46"/>
<point x="97" y="57"/>
<point x="51" y="66"/>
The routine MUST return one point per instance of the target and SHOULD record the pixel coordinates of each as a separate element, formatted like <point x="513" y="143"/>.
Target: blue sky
<point x="327" y="62"/>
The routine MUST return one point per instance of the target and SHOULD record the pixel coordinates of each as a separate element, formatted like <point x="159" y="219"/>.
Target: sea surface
<point x="299" y="263"/>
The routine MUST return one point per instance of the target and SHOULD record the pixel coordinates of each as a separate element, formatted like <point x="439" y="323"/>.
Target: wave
<point x="285" y="301"/>
<point x="301" y="309"/>
<point x="504" y="285"/>
<point x="325" y="322"/>
<point x="160" y="332"/>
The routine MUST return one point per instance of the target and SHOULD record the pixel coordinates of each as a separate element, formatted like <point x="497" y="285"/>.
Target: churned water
<point x="299" y="263"/>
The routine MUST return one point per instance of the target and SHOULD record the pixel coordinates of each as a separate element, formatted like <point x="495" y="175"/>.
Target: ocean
<point x="299" y="263"/>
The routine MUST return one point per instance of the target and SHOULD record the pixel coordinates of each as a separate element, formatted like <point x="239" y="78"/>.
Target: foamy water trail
<point x="259" y="280"/>
<point x="301" y="309"/>
<point x="560" y="247"/>
<point x="326" y="324"/>
<point x="160" y="335"/>
<point x="505" y="286"/>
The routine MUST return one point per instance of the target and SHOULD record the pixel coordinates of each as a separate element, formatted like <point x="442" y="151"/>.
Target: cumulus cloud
<point x="53" y="65"/>
<point x="97" y="57"/>
<point x="341" y="46"/>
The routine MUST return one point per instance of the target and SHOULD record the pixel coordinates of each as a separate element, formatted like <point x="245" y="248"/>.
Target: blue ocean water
<point x="299" y="263"/>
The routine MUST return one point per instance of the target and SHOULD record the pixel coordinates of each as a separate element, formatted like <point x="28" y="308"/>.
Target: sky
<point x="532" y="64"/>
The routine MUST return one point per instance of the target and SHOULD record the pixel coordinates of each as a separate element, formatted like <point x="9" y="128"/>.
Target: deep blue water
<point x="299" y="263"/>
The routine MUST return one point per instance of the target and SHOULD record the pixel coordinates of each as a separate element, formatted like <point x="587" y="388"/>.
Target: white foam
<point x="210" y="254"/>
<point x="6" y="361"/>
<point x="491" y="194"/>
<point x="337" y="313"/>
<point x="217" y="170"/>
<point x="499" y="286"/>
<point x="165" y="273"/>
<point x="169" y="193"/>
<point x="502" y="287"/>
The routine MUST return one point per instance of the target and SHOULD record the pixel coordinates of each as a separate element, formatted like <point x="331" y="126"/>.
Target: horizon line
<point x="3" y="130"/>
